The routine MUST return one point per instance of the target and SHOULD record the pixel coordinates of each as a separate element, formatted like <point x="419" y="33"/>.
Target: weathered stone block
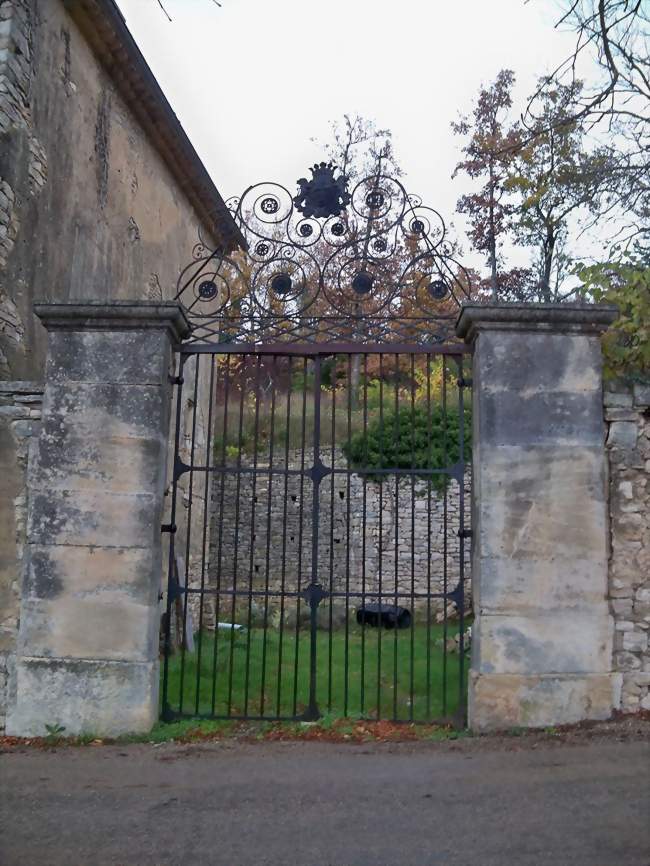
<point x="95" y="697"/>
<point x="102" y="437"/>
<point x="641" y="394"/>
<point x="537" y="585"/>
<point x="540" y="502"/>
<point x="620" y="415"/>
<point x="60" y="570"/>
<point x="619" y="398"/>
<point x="627" y="661"/>
<point x="94" y="519"/>
<point x="561" y="641"/>
<point x="635" y="641"/>
<point x="106" y="625"/>
<point x="622" y="434"/>
<point x="501" y="701"/>
<point x="124" y="357"/>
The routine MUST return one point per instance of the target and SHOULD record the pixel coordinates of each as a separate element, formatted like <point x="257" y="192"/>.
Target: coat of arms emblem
<point x="324" y="195"/>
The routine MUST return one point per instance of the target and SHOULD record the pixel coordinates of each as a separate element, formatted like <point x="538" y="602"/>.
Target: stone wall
<point x="87" y="654"/>
<point x="89" y="209"/>
<point x="20" y="412"/>
<point x="101" y="194"/>
<point x="627" y="416"/>
<point x="370" y="536"/>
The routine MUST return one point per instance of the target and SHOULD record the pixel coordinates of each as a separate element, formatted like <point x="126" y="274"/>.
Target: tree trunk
<point x="547" y="264"/>
<point x="493" y="241"/>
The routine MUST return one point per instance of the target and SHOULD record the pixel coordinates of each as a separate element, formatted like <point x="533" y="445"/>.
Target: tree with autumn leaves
<point x="534" y="187"/>
<point x="567" y="182"/>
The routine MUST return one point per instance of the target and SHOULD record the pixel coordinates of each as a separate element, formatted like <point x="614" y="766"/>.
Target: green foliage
<point x="427" y="683"/>
<point x="626" y="346"/>
<point x="54" y="732"/>
<point x="418" y="437"/>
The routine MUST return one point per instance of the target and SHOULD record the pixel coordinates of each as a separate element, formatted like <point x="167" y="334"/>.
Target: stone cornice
<point x="115" y="316"/>
<point x="553" y="318"/>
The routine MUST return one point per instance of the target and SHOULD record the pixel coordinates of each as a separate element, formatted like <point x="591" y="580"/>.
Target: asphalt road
<point x="323" y="804"/>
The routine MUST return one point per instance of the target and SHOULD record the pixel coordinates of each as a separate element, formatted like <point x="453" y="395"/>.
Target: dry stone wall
<point x="627" y="416"/>
<point x="371" y="537"/>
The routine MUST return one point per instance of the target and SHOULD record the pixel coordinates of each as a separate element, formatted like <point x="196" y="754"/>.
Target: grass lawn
<point x="400" y="675"/>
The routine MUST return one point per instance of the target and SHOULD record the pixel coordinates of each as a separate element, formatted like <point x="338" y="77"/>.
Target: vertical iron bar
<point x="284" y="536"/>
<point x="429" y="465"/>
<point x="204" y="538"/>
<point x="363" y="531"/>
<point x="461" y="551"/>
<point x="382" y="478"/>
<point x="396" y="538"/>
<point x="445" y="544"/>
<point x="171" y="583"/>
<point x="412" y="631"/>
<point x="189" y="532"/>
<point x="256" y="429"/>
<point x="268" y="530"/>
<point x="346" y="662"/>
<point x="312" y="710"/>
<point x="240" y="445"/>
<point x="300" y="531"/>
<point x="331" y="563"/>
<point x="217" y="611"/>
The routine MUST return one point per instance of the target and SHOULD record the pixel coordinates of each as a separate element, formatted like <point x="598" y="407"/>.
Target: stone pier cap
<point x="553" y="318"/>
<point x="115" y="316"/>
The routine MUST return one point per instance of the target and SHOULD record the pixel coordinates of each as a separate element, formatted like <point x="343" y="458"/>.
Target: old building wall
<point x="92" y="206"/>
<point x="627" y="416"/>
<point x="88" y="206"/>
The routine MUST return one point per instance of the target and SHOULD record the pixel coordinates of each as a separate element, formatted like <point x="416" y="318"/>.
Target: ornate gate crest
<point x="369" y="265"/>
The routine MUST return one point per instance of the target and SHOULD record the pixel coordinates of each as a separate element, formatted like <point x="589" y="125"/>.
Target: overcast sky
<point x="254" y="81"/>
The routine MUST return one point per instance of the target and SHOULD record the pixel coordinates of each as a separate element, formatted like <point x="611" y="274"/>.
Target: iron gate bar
<point x="220" y="536"/>
<point x="444" y="540"/>
<point x="460" y="587"/>
<point x="313" y="593"/>
<point x="309" y="350"/>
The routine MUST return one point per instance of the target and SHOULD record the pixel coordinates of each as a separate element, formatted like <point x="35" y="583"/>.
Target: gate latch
<point x="465" y="383"/>
<point x="464" y="533"/>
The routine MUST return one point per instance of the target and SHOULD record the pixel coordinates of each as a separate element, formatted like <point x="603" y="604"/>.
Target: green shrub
<point x="411" y="438"/>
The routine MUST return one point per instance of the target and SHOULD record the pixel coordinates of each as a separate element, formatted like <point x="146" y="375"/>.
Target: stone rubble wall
<point x="20" y="413"/>
<point x="627" y="417"/>
<point x="394" y="536"/>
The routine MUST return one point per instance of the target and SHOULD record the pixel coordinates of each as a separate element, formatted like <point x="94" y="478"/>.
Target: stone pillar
<point x="20" y="412"/>
<point x="542" y="636"/>
<point x="88" y="641"/>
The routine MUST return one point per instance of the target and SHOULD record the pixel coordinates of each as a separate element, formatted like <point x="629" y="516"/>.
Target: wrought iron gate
<point x="317" y="537"/>
<point x="317" y="546"/>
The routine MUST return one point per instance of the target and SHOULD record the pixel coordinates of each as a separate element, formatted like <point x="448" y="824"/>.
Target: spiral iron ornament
<point x="370" y="263"/>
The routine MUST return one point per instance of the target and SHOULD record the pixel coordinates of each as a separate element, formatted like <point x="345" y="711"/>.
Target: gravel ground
<point x="579" y="796"/>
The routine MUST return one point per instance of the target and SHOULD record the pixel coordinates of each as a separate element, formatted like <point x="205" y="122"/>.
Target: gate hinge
<point x="176" y="380"/>
<point x="465" y="383"/>
<point x="168" y="527"/>
<point x="175" y="590"/>
<point x="464" y="533"/>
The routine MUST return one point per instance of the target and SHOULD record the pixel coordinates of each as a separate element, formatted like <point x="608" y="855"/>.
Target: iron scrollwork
<point x="372" y="264"/>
